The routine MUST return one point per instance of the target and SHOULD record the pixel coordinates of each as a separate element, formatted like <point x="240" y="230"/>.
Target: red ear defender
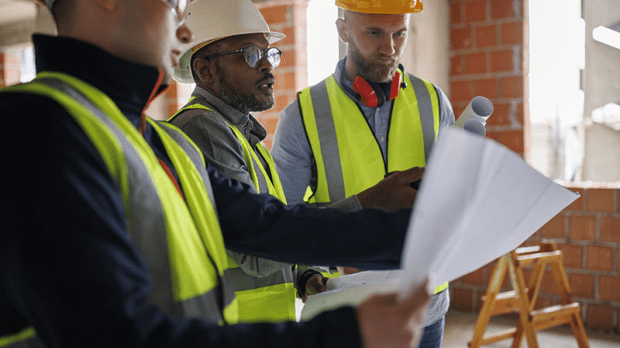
<point x="366" y="92"/>
<point x="395" y="86"/>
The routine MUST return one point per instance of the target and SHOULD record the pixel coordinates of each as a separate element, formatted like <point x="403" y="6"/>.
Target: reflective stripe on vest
<point x="261" y="299"/>
<point x="347" y="156"/>
<point x="343" y="143"/>
<point x="180" y="241"/>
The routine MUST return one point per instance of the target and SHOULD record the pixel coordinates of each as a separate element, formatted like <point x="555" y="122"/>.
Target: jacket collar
<point x="130" y="85"/>
<point x="247" y="122"/>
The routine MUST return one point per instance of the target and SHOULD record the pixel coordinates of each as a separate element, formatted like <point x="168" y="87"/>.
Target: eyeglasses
<point x="178" y="7"/>
<point x="254" y="55"/>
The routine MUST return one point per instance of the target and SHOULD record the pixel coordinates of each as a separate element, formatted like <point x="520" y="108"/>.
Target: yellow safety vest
<point x="270" y="298"/>
<point x="178" y="237"/>
<point x="347" y="155"/>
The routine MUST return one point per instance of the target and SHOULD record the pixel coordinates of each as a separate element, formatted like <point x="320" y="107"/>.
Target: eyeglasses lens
<point x="254" y="56"/>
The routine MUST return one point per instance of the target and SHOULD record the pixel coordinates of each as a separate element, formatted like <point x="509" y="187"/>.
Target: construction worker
<point x="232" y="67"/>
<point x="115" y="231"/>
<point x="363" y="122"/>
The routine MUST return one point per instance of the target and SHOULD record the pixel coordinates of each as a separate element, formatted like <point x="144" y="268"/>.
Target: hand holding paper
<point x="478" y="201"/>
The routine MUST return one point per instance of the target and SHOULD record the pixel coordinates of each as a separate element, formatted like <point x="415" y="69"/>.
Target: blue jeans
<point x="432" y="335"/>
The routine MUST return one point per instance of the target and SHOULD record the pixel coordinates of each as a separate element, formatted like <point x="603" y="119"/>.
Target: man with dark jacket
<point x="115" y="229"/>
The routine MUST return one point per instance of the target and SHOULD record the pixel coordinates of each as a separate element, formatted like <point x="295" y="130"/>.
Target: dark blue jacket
<point x="67" y="265"/>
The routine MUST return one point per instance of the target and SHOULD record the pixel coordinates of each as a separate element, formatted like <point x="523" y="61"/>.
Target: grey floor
<point x="460" y="328"/>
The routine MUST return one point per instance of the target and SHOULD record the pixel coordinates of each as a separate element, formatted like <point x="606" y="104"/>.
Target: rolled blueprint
<point x="474" y="118"/>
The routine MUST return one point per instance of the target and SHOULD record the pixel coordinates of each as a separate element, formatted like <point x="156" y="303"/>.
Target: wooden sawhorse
<point x="522" y="298"/>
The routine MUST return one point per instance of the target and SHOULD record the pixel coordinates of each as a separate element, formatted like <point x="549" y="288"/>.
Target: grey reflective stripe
<point x="243" y="281"/>
<point x="425" y="106"/>
<point x="263" y="187"/>
<point x="31" y="342"/>
<point x="149" y="235"/>
<point x="328" y="141"/>
<point x="196" y="157"/>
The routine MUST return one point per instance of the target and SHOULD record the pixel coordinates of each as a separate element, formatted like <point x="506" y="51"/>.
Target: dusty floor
<point x="460" y="328"/>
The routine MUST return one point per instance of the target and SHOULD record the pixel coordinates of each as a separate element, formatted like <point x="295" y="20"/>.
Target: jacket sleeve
<point x="69" y="268"/>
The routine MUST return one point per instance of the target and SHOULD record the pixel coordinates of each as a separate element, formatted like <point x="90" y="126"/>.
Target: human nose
<point x="265" y="64"/>
<point x="387" y="46"/>
<point x="184" y="34"/>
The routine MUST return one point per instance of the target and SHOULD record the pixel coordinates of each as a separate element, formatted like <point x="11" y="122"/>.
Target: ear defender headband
<point x="376" y="94"/>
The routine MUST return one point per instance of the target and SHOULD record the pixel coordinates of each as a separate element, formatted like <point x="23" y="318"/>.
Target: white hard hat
<point x="210" y="20"/>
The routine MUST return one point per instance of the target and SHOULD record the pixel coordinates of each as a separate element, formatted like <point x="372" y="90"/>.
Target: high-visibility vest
<point x="347" y="156"/>
<point x="261" y="299"/>
<point x="179" y="237"/>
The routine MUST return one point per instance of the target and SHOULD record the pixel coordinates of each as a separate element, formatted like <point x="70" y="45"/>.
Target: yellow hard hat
<point x="382" y="6"/>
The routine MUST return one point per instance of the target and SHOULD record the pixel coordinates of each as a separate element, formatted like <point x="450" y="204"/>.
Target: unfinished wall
<point x="489" y="57"/>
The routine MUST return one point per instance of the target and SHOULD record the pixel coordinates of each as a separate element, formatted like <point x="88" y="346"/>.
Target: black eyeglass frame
<point x="264" y="52"/>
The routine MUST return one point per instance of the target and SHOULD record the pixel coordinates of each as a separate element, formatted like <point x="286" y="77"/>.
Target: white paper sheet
<point x="478" y="201"/>
<point x="494" y="200"/>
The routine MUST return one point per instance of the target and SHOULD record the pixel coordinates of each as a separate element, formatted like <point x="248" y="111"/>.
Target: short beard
<point x="238" y="100"/>
<point x="372" y="72"/>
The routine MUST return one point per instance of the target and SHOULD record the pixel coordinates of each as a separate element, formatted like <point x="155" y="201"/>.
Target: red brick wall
<point x="288" y="17"/>
<point x="488" y="43"/>
<point x="489" y="51"/>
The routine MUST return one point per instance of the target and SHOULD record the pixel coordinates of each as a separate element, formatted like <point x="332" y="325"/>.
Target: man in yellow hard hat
<point x="232" y="67"/>
<point x="365" y="121"/>
<point x="114" y="235"/>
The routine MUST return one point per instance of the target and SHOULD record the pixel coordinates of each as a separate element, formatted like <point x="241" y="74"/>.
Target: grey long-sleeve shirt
<point x="295" y="161"/>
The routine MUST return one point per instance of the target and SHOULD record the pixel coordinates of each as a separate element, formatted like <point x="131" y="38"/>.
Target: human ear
<point x="203" y="70"/>
<point x="343" y="31"/>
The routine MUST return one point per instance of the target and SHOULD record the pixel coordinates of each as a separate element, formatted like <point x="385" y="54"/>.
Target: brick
<point x="288" y="58"/>
<point x="487" y="88"/>
<point x="582" y="227"/>
<point x="455" y="12"/>
<point x="599" y="258"/>
<point x="600" y="200"/>
<point x="500" y="116"/>
<point x="547" y="284"/>
<point x="486" y="36"/>
<point x="502" y="9"/>
<point x="462" y="91"/>
<point x="610" y="229"/>
<point x="474" y="278"/>
<point x="457" y="65"/>
<point x="554" y="228"/>
<point x="274" y="14"/>
<point x="289" y="31"/>
<point x="270" y="124"/>
<point x="572" y="255"/>
<point x="543" y="302"/>
<point x="460" y="38"/>
<point x="502" y="61"/>
<point x="511" y="87"/>
<point x="609" y="288"/>
<point x="497" y="136"/>
<point x="599" y="316"/>
<point x="577" y="205"/>
<point x="476" y="63"/>
<point x="582" y="285"/>
<point x="461" y="299"/>
<point x="513" y="140"/>
<point x="512" y="33"/>
<point x="475" y="11"/>
<point x="281" y="102"/>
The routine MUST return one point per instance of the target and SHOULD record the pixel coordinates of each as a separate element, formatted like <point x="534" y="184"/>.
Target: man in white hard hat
<point x="232" y="67"/>
<point x="368" y="119"/>
<point x="119" y="239"/>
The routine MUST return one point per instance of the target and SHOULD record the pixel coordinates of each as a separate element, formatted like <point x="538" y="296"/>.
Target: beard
<point x="372" y="72"/>
<point x="238" y="99"/>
